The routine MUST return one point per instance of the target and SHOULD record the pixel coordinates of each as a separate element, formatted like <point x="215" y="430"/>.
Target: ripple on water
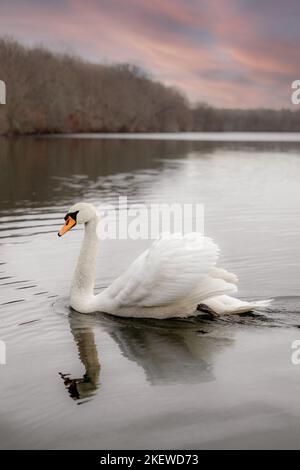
<point x="130" y="362"/>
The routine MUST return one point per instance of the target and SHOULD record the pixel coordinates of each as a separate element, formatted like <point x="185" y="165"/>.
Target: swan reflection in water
<point x="169" y="351"/>
<point x="82" y="330"/>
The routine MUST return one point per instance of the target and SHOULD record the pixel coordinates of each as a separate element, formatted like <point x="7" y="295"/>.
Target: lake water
<point x="95" y="381"/>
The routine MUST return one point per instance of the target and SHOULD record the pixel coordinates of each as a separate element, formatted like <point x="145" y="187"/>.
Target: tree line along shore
<point x="60" y="93"/>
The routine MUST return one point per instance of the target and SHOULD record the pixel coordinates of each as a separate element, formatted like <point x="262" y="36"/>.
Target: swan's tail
<point x="261" y="304"/>
<point x="224" y="304"/>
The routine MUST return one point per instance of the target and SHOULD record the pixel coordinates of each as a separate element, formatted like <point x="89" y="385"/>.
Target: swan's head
<point x="79" y="213"/>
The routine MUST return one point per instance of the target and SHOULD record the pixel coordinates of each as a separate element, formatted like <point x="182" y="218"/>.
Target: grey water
<point x="76" y="381"/>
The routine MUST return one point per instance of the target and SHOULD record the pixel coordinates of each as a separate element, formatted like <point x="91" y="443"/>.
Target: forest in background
<point x="60" y="93"/>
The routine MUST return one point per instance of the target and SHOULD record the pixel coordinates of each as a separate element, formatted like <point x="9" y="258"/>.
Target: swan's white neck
<point x="82" y="289"/>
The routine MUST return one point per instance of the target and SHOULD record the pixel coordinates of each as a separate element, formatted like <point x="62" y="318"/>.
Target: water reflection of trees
<point x="45" y="172"/>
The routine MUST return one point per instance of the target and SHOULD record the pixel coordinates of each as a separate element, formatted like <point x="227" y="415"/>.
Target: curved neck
<point x="84" y="276"/>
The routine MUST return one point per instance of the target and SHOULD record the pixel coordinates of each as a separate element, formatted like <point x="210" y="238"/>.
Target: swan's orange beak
<point x="70" y="222"/>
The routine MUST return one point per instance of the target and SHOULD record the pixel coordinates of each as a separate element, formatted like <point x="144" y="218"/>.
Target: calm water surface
<point x="95" y="381"/>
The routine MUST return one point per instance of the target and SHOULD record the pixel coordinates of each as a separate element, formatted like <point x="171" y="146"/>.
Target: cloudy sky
<point x="241" y="53"/>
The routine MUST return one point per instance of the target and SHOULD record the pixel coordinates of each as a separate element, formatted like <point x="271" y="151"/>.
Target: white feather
<point x="224" y="304"/>
<point x="171" y="269"/>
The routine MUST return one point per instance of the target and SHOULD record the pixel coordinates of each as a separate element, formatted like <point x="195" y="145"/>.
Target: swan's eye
<point x="73" y="216"/>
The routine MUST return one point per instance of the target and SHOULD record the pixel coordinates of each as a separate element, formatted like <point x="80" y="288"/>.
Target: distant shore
<point x="49" y="93"/>
<point x="174" y="136"/>
<point x="191" y="136"/>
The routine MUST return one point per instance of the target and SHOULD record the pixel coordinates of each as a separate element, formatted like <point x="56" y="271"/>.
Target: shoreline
<point x="224" y="136"/>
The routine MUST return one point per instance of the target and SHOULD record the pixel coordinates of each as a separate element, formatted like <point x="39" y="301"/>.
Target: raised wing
<point x="168" y="271"/>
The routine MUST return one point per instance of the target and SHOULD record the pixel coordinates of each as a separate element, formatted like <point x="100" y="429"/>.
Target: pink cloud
<point x="210" y="49"/>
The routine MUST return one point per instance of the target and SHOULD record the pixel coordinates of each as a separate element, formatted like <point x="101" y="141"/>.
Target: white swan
<point x="170" y="279"/>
